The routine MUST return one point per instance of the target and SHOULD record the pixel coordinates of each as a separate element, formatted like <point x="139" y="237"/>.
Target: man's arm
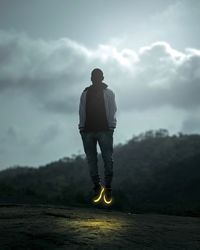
<point x="81" y="124"/>
<point x="111" y="108"/>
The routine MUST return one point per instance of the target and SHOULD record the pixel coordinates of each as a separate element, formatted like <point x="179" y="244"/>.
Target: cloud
<point x="164" y="76"/>
<point x="19" y="147"/>
<point x="48" y="135"/>
<point x="54" y="73"/>
<point x="11" y="143"/>
<point x="41" y="82"/>
<point x="48" y="71"/>
<point x="191" y="124"/>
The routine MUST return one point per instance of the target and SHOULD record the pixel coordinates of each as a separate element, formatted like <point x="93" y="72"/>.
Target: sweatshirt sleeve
<point x="82" y="111"/>
<point x="111" y="108"/>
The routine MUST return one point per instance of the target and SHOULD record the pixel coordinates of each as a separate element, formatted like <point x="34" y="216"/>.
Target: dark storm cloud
<point x="47" y="70"/>
<point x="61" y="106"/>
<point x="53" y="73"/>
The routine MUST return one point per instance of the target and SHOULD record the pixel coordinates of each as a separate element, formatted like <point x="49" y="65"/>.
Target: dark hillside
<point x="152" y="172"/>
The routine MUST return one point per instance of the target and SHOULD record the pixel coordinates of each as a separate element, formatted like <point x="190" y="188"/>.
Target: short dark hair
<point x="97" y="74"/>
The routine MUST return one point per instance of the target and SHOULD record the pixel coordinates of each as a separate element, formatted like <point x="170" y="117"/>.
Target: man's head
<point x="97" y="76"/>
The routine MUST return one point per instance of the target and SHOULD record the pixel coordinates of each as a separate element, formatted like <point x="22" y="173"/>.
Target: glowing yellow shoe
<point x="98" y="193"/>
<point x="107" y="197"/>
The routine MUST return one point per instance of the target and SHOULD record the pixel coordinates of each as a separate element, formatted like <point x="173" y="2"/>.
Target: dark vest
<point x="96" y="119"/>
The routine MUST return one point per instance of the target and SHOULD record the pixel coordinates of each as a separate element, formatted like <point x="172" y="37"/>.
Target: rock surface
<point x="50" y="227"/>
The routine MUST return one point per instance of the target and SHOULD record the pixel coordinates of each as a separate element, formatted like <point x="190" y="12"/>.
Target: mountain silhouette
<point x="153" y="172"/>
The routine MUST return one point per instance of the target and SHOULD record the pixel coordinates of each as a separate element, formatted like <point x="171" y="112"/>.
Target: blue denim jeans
<point x="105" y="141"/>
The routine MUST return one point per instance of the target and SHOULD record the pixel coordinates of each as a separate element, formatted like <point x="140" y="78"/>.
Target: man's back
<point x="96" y="119"/>
<point x="97" y="109"/>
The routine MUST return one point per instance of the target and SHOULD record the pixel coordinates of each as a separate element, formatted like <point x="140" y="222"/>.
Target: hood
<point x="97" y="86"/>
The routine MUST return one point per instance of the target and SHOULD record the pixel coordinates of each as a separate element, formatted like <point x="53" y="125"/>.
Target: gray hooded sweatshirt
<point x="110" y="108"/>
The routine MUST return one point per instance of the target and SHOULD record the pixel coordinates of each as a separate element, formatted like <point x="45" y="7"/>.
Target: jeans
<point x="105" y="141"/>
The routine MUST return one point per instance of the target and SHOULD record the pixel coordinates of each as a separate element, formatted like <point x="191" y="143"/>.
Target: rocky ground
<point x="50" y="227"/>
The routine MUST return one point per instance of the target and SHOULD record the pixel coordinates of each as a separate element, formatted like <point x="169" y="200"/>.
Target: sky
<point x="149" y="52"/>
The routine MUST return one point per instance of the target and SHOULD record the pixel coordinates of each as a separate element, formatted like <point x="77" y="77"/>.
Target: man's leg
<point x="90" y="148"/>
<point x="105" y="140"/>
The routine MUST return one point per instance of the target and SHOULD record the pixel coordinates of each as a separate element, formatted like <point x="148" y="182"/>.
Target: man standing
<point x="97" y="121"/>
